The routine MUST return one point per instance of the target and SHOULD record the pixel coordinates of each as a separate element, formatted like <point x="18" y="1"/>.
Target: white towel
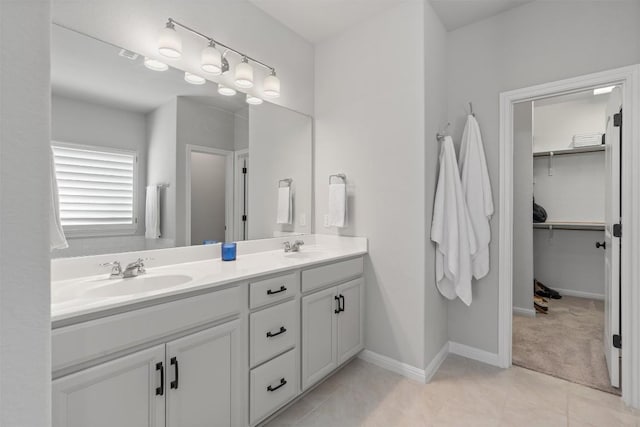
<point x="337" y="205"/>
<point x="152" y="212"/>
<point x="57" y="239"/>
<point x="284" y="205"/>
<point x="477" y="193"/>
<point x="451" y="230"/>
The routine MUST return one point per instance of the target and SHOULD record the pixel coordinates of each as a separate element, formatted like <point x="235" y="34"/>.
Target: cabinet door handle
<point x="174" y="363"/>
<point x="160" y="390"/>
<point x="282" y="289"/>
<point x="283" y="382"/>
<point x="342" y="301"/>
<point x="337" y="299"/>
<point x="275" y="334"/>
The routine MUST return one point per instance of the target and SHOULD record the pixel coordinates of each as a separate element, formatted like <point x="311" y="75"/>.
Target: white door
<point x="203" y="378"/>
<point x="319" y="332"/>
<point x="126" y="392"/>
<point x="612" y="249"/>
<point x="350" y="319"/>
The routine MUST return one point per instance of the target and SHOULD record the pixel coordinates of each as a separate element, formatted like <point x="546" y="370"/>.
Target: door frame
<point x="228" y="203"/>
<point x="237" y="199"/>
<point x="629" y="80"/>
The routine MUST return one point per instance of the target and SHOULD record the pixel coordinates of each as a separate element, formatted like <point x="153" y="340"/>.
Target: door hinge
<point x="617" y="341"/>
<point x="617" y="230"/>
<point x="244" y="170"/>
<point x="244" y="217"/>
<point x="617" y="120"/>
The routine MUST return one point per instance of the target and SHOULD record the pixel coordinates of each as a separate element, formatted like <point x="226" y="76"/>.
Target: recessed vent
<point x="128" y="54"/>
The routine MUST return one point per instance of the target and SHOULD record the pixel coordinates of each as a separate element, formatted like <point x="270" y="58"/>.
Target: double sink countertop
<point x="79" y="294"/>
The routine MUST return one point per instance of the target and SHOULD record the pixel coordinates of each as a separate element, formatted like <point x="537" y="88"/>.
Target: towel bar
<point x="286" y="181"/>
<point x="341" y="176"/>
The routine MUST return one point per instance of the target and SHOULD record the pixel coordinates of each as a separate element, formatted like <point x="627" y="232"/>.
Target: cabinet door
<point x="203" y="378"/>
<point x="126" y="392"/>
<point x="319" y="331"/>
<point x="350" y="319"/>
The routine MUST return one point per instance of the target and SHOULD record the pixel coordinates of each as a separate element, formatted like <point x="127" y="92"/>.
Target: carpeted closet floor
<point x="567" y="342"/>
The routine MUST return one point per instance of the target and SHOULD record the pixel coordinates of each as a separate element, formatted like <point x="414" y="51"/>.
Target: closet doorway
<point x="594" y="200"/>
<point x="566" y="187"/>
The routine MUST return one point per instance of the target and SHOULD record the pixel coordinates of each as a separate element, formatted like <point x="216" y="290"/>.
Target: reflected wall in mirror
<point x="215" y="163"/>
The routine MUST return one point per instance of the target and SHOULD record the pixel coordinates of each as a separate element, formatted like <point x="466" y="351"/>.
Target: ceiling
<point x="91" y="70"/>
<point x="317" y="20"/>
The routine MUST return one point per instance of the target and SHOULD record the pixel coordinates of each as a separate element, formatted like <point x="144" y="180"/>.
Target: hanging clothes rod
<point x="341" y="176"/>
<point x="287" y="182"/>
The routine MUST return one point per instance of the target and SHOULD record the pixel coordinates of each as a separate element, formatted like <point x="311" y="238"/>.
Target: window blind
<point x="96" y="186"/>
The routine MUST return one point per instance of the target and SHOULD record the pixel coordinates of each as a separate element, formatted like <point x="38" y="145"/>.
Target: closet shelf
<point x="570" y="225"/>
<point x="578" y="150"/>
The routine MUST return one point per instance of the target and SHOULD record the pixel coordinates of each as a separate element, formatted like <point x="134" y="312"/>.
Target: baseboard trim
<point x="434" y="365"/>
<point x="580" y="294"/>
<point x="527" y="312"/>
<point x="474" y="353"/>
<point x="393" y="365"/>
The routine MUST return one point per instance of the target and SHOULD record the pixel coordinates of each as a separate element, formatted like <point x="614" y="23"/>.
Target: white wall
<point x="241" y="129"/>
<point x="435" y="95"/>
<point x="161" y="169"/>
<point x="536" y="43"/>
<point x="522" y="206"/>
<point x="135" y="25"/>
<point x="557" y="123"/>
<point x="25" y="326"/>
<point x="371" y="128"/>
<point x="280" y="146"/>
<point x="80" y="122"/>
<point x="208" y="176"/>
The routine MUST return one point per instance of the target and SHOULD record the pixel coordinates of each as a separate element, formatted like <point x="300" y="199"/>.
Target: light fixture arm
<point x="212" y="40"/>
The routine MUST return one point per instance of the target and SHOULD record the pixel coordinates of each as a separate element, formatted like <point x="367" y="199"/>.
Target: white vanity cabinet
<point x="332" y="318"/>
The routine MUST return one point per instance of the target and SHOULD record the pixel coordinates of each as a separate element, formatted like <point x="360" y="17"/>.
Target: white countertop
<point x="69" y="301"/>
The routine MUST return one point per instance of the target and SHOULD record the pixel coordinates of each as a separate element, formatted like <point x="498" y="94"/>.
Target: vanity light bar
<point x="210" y="40"/>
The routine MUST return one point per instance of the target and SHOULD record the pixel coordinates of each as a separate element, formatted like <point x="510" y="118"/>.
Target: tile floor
<point x="462" y="393"/>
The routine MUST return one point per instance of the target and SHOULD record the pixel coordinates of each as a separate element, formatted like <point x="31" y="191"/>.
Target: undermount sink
<point x="303" y="254"/>
<point x="105" y="287"/>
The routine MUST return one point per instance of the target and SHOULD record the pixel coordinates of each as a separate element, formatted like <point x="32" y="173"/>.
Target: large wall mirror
<point x="146" y="160"/>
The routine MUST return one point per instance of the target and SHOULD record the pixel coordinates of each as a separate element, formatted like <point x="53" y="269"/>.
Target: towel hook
<point x="440" y="135"/>
<point x="287" y="182"/>
<point x="471" y="109"/>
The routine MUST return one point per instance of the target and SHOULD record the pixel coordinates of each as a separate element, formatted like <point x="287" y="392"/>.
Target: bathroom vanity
<point x="196" y="340"/>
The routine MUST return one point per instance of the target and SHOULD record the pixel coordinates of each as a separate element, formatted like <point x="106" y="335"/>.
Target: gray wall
<point x="371" y="128"/>
<point x="203" y="125"/>
<point x="162" y="163"/>
<point x="280" y="144"/>
<point x="25" y="324"/>
<point x="207" y="197"/>
<point x="515" y="50"/>
<point x="522" y="201"/>
<point x="435" y="309"/>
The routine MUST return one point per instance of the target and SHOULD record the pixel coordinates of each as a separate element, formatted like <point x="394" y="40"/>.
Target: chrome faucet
<point x="116" y="269"/>
<point x="134" y="269"/>
<point x="288" y="247"/>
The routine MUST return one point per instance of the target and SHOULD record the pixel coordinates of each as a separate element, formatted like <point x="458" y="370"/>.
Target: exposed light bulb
<point x="271" y="85"/>
<point x="154" y="64"/>
<point x="225" y="90"/>
<point x="169" y="42"/>
<point x="244" y="74"/>
<point x="211" y="59"/>
<point x="194" y="79"/>
<point x="253" y="100"/>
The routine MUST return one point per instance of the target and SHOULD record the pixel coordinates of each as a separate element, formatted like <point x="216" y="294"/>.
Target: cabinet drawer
<point x="75" y="344"/>
<point x="273" y="331"/>
<point x="272" y="385"/>
<point x="271" y="290"/>
<point x="332" y="273"/>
